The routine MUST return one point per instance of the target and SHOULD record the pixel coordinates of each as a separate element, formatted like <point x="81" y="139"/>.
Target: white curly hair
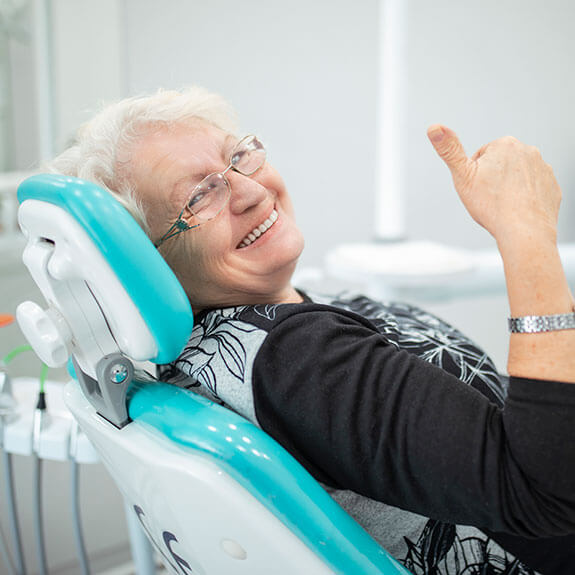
<point x="100" y="144"/>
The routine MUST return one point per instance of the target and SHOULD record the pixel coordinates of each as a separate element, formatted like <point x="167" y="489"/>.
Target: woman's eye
<point x="237" y="157"/>
<point x="196" y="199"/>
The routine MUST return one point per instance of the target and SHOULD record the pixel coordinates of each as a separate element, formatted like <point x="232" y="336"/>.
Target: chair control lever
<point x="109" y="392"/>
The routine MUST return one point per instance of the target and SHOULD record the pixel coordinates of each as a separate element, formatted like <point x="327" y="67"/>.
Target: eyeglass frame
<point x="180" y="225"/>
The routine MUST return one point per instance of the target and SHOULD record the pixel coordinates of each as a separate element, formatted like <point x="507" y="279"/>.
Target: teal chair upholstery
<point x="213" y="493"/>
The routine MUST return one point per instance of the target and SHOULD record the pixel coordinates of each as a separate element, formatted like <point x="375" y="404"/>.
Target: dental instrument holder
<point x="5" y="383"/>
<point x="6" y="400"/>
<point x="109" y="391"/>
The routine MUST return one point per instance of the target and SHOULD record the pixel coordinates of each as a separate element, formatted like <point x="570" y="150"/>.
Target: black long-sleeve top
<point x="389" y="405"/>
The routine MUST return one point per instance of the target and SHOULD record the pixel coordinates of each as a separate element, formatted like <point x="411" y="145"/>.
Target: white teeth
<point x="261" y="229"/>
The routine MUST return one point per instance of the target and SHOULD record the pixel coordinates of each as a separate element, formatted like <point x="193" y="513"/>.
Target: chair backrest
<point x="213" y="492"/>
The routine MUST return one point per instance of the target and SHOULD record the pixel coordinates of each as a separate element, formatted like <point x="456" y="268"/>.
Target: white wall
<point x="21" y="133"/>
<point x="488" y="69"/>
<point x="302" y="75"/>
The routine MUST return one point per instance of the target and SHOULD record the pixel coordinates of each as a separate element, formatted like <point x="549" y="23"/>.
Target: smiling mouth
<point x="259" y="231"/>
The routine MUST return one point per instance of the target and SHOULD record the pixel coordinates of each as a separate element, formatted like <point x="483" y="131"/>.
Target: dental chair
<point x="213" y="493"/>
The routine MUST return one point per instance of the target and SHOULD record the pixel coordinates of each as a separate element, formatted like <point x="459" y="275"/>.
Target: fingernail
<point x="436" y="134"/>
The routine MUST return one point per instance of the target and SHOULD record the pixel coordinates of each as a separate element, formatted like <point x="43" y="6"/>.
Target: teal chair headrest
<point x="141" y="270"/>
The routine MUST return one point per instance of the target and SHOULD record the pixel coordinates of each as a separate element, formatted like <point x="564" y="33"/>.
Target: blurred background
<point x="304" y="76"/>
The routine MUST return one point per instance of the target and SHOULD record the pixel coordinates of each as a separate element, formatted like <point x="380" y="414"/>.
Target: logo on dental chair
<point x="177" y="563"/>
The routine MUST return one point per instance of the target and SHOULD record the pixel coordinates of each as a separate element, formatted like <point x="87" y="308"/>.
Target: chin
<point x="283" y="262"/>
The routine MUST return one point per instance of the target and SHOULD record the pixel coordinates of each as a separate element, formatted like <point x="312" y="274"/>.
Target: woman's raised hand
<point x="506" y="186"/>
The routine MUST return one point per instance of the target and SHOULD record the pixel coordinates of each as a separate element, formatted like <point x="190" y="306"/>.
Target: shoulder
<point x="271" y="316"/>
<point x="227" y="345"/>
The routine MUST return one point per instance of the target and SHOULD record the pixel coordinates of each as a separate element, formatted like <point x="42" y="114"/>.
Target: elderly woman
<point x="404" y="420"/>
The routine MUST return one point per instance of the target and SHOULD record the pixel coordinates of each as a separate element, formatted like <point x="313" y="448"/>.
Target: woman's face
<point x="165" y="166"/>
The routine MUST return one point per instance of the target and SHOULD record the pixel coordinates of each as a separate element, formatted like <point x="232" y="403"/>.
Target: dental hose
<point x="16" y="351"/>
<point x="39" y="415"/>
<point x="20" y="567"/>
<point x="80" y="546"/>
<point x="38" y="516"/>
<point x="75" y="499"/>
<point x="6" y="555"/>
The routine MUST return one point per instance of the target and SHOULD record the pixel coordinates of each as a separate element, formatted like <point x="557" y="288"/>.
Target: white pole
<point x="390" y="144"/>
<point x="44" y="83"/>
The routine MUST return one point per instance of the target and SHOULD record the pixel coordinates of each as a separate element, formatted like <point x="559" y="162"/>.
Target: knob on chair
<point x="47" y="332"/>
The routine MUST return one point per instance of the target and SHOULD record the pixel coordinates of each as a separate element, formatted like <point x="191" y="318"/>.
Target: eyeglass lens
<point x="249" y="156"/>
<point x="211" y="194"/>
<point x="209" y="197"/>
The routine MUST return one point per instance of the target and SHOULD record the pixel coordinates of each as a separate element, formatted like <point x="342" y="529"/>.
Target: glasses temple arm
<point x="176" y="228"/>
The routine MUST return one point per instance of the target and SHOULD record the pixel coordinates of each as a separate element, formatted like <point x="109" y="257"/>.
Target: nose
<point x="246" y="192"/>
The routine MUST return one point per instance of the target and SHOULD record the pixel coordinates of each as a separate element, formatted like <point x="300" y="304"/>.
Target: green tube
<point x="12" y="354"/>
<point x="43" y="373"/>
<point x="21" y="349"/>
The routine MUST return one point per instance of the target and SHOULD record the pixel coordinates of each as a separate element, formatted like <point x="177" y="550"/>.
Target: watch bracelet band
<point x="541" y="323"/>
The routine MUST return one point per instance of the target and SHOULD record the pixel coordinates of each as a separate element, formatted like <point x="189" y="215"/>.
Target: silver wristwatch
<point x="539" y="323"/>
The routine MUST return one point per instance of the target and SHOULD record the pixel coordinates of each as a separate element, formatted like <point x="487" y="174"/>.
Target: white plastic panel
<point x="75" y="278"/>
<point x="192" y="510"/>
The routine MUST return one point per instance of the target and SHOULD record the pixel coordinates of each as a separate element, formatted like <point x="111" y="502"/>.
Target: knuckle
<point x="534" y="151"/>
<point x="505" y="143"/>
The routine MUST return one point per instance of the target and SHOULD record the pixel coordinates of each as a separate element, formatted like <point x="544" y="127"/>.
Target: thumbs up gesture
<point x="505" y="186"/>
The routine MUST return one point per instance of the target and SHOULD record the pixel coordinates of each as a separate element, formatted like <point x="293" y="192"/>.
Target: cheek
<point x="157" y="219"/>
<point x="190" y="269"/>
<point x="273" y="181"/>
<point x="182" y="255"/>
<point x="198" y="257"/>
<point x="295" y="243"/>
<point x="287" y="206"/>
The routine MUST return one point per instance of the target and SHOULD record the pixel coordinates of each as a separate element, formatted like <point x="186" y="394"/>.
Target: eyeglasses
<point x="212" y="194"/>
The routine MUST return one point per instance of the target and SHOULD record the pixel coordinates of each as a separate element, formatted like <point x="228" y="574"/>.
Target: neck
<point x="288" y="295"/>
<point x="291" y="296"/>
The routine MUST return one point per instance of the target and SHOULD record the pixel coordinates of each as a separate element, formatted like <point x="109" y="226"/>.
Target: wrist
<point x="519" y="244"/>
<point x="536" y="282"/>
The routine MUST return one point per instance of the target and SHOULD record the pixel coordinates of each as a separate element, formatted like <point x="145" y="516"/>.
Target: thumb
<point x="450" y="150"/>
